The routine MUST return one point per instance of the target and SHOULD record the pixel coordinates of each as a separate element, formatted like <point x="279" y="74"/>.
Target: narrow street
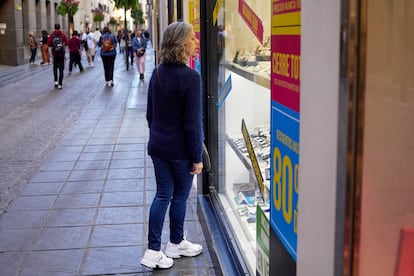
<point x="34" y="114"/>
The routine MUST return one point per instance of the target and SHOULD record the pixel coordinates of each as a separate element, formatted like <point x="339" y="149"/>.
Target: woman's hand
<point x="197" y="168"/>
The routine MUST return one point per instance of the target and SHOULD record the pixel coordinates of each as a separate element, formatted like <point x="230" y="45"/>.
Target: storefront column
<point x="171" y="13"/>
<point x="163" y="17"/>
<point x="43" y="15"/>
<point x="320" y="227"/>
<point x="52" y="15"/>
<point x="208" y="46"/>
<point x="31" y="16"/>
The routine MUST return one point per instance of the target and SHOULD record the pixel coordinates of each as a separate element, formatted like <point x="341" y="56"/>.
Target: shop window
<point x="243" y="43"/>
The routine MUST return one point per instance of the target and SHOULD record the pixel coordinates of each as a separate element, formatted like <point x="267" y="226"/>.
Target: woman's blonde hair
<point x="173" y="40"/>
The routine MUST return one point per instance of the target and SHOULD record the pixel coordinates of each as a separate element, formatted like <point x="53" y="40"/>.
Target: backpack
<point x="57" y="44"/>
<point x="107" y="44"/>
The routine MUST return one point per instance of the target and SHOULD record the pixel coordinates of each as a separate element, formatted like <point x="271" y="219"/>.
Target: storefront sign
<point x="262" y="242"/>
<point x="194" y="18"/>
<point x="253" y="158"/>
<point x="224" y="92"/>
<point x="252" y="20"/>
<point x="216" y="10"/>
<point x="285" y="121"/>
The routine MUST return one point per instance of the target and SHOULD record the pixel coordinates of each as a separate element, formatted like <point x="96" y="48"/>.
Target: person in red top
<point x="74" y="52"/>
<point x="58" y="54"/>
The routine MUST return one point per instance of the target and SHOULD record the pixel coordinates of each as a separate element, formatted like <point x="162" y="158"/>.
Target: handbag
<point x="206" y="159"/>
<point x="206" y="155"/>
<point x="140" y="52"/>
<point x="122" y="44"/>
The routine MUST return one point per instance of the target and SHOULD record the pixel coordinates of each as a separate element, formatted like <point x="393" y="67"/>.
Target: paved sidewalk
<point x="85" y="211"/>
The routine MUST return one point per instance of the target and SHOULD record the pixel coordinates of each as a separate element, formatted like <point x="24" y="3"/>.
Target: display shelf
<point x="243" y="155"/>
<point x="252" y="73"/>
<point x="260" y="138"/>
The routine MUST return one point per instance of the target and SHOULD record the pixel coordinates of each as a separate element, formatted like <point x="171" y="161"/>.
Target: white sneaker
<point x="184" y="248"/>
<point x="155" y="259"/>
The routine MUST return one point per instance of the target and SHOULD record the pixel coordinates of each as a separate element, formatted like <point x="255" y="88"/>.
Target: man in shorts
<point x="89" y="38"/>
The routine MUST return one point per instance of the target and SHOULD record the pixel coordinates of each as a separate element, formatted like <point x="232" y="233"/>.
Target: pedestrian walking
<point x="139" y="44"/>
<point x="75" y="50"/>
<point x="174" y="115"/>
<point x="89" y="39"/>
<point x="121" y="41"/>
<point x="33" y="47"/>
<point x="58" y="42"/>
<point x="44" y="48"/>
<point x="97" y="36"/>
<point x="129" y="51"/>
<point x="107" y="43"/>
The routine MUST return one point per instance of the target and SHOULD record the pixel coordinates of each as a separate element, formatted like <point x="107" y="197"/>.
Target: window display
<point x="244" y="118"/>
<point x="247" y="36"/>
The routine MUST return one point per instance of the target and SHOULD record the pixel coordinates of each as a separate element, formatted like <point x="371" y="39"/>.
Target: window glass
<point x="243" y="43"/>
<point x="387" y="218"/>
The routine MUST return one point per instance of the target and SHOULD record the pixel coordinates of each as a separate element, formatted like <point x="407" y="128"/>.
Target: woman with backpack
<point x="107" y="43"/>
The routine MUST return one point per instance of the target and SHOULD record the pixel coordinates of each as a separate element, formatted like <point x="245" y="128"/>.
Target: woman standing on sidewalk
<point x="174" y="115"/>
<point x="33" y="47"/>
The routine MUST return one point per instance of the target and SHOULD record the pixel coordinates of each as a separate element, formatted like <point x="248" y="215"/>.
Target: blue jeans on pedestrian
<point x="174" y="183"/>
<point x="33" y="52"/>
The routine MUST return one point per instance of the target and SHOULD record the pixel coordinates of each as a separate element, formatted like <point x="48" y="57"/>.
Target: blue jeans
<point x="174" y="183"/>
<point x="33" y="52"/>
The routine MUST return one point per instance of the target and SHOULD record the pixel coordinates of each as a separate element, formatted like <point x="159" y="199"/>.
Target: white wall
<point x="320" y="55"/>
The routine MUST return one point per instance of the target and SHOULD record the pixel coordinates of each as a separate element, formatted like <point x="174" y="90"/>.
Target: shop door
<point x="383" y="221"/>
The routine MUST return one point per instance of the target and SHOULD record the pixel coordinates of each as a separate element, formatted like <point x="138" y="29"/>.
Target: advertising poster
<point x="194" y="19"/>
<point x="252" y="20"/>
<point x="285" y="121"/>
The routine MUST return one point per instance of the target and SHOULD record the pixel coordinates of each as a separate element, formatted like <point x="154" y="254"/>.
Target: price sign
<point x="285" y="114"/>
<point x="285" y="176"/>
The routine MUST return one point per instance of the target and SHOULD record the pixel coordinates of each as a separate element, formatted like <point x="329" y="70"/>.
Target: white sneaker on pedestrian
<point x="155" y="259"/>
<point x="59" y="86"/>
<point x="56" y="84"/>
<point x="184" y="248"/>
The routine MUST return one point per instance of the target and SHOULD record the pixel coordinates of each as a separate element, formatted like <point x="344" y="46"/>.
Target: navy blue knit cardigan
<point x="174" y="113"/>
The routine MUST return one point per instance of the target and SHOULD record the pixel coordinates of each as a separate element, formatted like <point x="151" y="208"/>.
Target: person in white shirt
<point x="97" y="35"/>
<point x="89" y="37"/>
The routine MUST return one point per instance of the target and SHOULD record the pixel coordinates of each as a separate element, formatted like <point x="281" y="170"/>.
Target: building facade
<point x="18" y="18"/>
